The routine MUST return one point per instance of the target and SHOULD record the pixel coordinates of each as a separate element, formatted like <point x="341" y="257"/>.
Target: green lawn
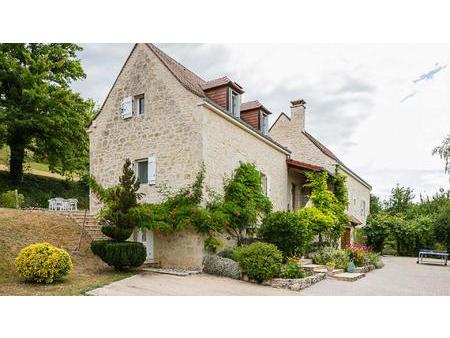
<point x="39" y="185"/>
<point x="20" y="228"/>
<point x="4" y="160"/>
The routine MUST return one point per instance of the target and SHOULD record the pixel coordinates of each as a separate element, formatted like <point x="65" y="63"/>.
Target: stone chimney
<point x="298" y="113"/>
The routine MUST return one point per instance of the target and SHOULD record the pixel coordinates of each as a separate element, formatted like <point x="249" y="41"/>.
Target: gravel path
<point x="401" y="276"/>
<point x="154" y="284"/>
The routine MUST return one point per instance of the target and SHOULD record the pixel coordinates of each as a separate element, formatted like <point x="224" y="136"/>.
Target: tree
<point x="444" y="152"/>
<point x="400" y="199"/>
<point x="38" y="110"/>
<point x="118" y="221"/>
<point x="375" y="205"/>
<point x="243" y="203"/>
<point x="329" y="211"/>
<point x="118" y="202"/>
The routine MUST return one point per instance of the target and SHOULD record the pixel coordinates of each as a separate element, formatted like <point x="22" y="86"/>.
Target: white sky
<point x="353" y="95"/>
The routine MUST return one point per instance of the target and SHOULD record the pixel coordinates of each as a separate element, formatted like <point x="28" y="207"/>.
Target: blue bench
<point x="443" y="255"/>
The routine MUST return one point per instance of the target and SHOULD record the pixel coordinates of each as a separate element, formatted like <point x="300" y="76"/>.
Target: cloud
<point x="351" y="94"/>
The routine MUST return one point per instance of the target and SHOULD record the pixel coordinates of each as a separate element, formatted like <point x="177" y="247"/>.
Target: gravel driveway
<point x="400" y="276"/>
<point x="154" y="284"/>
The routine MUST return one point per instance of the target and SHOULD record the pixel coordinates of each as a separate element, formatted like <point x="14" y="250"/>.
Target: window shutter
<point x="152" y="169"/>
<point x="126" y="107"/>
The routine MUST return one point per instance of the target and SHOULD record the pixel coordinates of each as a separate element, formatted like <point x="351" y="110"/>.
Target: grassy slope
<point x="39" y="189"/>
<point x="39" y="185"/>
<point x="21" y="228"/>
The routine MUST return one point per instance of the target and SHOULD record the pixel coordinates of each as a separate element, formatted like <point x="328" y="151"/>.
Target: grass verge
<point x="20" y="228"/>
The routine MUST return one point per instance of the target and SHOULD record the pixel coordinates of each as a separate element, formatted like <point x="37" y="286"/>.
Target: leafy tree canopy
<point x="38" y="110"/>
<point x="443" y="151"/>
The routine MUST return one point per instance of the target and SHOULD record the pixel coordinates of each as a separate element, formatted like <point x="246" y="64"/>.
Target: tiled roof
<point x="222" y="81"/>
<point x="254" y="105"/>
<point x="303" y="165"/>
<point x="188" y="79"/>
<point x="322" y="148"/>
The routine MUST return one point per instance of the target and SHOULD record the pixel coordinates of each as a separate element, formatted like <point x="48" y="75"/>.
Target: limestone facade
<point x="290" y="132"/>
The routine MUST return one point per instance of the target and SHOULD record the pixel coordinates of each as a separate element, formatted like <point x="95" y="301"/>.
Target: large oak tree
<point x="39" y="112"/>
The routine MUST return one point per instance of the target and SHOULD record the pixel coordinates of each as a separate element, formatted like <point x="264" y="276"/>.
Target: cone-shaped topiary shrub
<point x="43" y="263"/>
<point x="118" y="222"/>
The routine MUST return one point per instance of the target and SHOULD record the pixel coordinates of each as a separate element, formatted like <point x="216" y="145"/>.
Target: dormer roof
<point x="254" y="105"/>
<point x="222" y="81"/>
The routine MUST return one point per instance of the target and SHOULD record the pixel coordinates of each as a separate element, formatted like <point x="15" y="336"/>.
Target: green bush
<point x="226" y="253"/>
<point x="329" y="254"/>
<point x="8" y="200"/>
<point x="287" y="231"/>
<point x="43" y="263"/>
<point x="293" y="270"/>
<point x="120" y="255"/>
<point x="375" y="259"/>
<point x="260" y="261"/>
<point x="118" y="234"/>
<point x="212" y="244"/>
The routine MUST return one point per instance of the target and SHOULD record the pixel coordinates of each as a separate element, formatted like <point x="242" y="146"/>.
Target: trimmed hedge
<point x="43" y="263"/>
<point x="120" y="255"/>
<point x="260" y="261"/>
<point x="119" y="234"/>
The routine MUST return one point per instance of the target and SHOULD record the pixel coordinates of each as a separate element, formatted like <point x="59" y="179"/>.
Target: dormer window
<point x="263" y="122"/>
<point x="234" y="103"/>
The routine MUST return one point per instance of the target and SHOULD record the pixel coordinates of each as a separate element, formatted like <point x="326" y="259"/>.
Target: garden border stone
<point x="297" y="284"/>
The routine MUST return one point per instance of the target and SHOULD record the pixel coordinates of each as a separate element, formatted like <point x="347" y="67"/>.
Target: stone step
<point x="311" y="267"/>
<point x="304" y="261"/>
<point x="347" y="276"/>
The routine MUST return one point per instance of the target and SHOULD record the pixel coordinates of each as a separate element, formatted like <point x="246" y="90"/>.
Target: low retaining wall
<point x="364" y="269"/>
<point x="297" y="284"/>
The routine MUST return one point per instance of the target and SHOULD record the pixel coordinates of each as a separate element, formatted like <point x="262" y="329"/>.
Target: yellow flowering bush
<point x="43" y="263"/>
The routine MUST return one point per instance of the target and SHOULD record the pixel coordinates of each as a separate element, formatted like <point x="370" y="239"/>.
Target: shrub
<point x="357" y="254"/>
<point x="221" y="266"/>
<point x="374" y="259"/>
<point x="292" y="270"/>
<point x="43" y="263"/>
<point x="329" y="254"/>
<point x="119" y="234"/>
<point x="226" y="253"/>
<point x="260" y="261"/>
<point x="287" y="231"/>
<point x="8" y="200"/>
<point x="212" y="244"/>
<point x="120" y="255"/>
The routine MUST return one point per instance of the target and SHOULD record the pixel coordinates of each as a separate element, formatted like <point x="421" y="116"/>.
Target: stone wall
<point x="169" y="129"/>
<point x="288" y="132"/>
<point x="180" y="249"/>
<point x="225" y="144"/>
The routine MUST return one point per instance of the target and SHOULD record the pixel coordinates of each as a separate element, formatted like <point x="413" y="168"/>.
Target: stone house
<point x="169" y="122"/>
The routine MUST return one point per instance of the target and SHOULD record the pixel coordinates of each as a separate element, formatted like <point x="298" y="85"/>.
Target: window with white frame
<point x="263" y="123"/>
<point x="139" y="104"/>
<point x="234" y="103"/>
<point x="141" y="169"/>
